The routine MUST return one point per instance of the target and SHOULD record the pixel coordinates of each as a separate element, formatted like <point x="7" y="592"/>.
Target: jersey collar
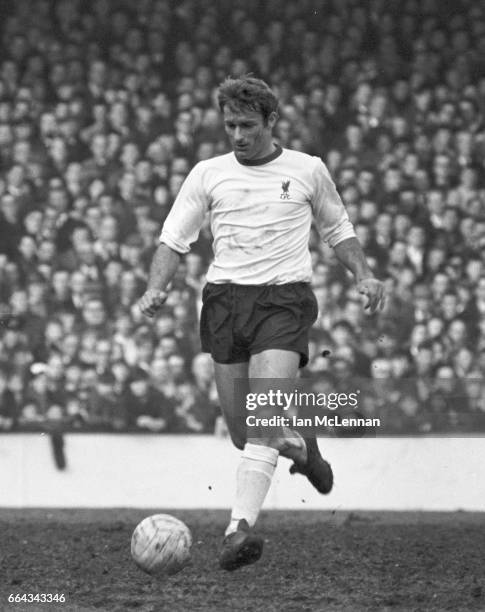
<point x="262" y="160"/>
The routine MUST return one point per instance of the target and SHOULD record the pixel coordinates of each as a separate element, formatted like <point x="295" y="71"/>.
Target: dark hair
<point x="247" y="93"/>
<point x="138" y="373"/>
<point x="426" y="345"/>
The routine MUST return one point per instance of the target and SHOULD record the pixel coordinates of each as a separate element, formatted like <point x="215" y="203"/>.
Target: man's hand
<point x="151" y="301"/>
<point x="349" y="252"/>
<point x="374" y="291"/>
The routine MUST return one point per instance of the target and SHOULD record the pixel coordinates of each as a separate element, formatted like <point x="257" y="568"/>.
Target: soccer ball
<point x="160" y="545"/>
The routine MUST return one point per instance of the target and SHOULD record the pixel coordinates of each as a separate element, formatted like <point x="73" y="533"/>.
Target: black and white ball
<point x="160" y="545"/>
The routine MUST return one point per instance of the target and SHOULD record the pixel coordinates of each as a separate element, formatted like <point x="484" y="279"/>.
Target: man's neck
<point x="275" y="151"/>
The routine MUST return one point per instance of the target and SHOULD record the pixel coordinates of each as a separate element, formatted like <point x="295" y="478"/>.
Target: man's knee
<point x="237" y="433"/>
<point x="238" y="440"/>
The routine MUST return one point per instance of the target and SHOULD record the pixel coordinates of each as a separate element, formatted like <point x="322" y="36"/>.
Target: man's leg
<point x="260" y="455"/>
<point x="232" y="405"/>
<point x="263" y="367"/>
<point x="255" y="470"/>
<point x="258" y="461"/>
<point x="240" y="547"/>
<point x="267" y="370"/>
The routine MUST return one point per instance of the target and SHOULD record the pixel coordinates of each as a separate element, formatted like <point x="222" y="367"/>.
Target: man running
<point x="258" y="305"/>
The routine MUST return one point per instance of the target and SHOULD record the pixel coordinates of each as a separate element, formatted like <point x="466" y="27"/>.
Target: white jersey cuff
<point x="173" y="243"/>
<point x="343" y="232"/>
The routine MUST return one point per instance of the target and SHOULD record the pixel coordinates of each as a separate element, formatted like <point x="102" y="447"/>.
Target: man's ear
<point x="272" y="119"/>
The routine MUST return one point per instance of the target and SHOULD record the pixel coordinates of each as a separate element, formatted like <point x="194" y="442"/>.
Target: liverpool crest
<point x="285" y="186"/>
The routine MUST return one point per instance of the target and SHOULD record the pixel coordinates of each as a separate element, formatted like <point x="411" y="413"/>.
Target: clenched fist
<point x="374" y="291"/>
<point x="151" y="301"/>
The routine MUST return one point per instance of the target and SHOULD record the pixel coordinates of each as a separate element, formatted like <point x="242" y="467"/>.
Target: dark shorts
<point x="241" y="320"/>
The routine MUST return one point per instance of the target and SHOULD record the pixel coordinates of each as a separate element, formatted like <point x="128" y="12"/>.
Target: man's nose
<point x="238" y="136"/>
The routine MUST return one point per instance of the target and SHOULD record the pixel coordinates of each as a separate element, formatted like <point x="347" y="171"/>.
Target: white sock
<point x="253" y="480"/>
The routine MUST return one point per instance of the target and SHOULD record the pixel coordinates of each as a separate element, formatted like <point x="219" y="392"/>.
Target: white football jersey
<point x="260" y="216"/>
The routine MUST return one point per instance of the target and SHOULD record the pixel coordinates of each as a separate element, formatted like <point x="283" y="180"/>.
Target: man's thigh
<point x="232" y="388"/>
<point x="273" y="363"/>
<point x="272" y="370"/>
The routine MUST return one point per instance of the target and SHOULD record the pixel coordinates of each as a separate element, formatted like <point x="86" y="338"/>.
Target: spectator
<point x="9" y="407"/>
<point x="149" y="409"/>
<point x="94" y="152"/>
<point x="107" y="410"/>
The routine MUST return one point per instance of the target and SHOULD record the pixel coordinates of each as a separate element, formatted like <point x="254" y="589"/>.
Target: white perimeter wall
<point x="198" y="472"/>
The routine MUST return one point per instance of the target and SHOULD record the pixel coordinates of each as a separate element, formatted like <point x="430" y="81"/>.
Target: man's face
<point x="249" y="135"/>
<point x="139" y="388"/>
<point x="94" y="313"/>
<point x="108" y="229"/>
<point x="416" y="237"/>
<point x="86" y="253"/>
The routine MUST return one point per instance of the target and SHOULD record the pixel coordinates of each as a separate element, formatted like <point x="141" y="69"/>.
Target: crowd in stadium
<point x="104" y="109"/>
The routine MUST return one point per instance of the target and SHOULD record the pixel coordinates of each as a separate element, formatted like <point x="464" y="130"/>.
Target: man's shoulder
<point x="300" y="155"/>
<point x="217" y="162"/>
<point x="299" y="159"/>
<point x="206" y="169"/>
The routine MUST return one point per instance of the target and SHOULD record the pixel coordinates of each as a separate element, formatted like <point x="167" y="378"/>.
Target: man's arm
<point x="336" y="229"/>
<point x="163" y="267"/>
<point x="180" y="230"/>
<point x="349" y="252"/>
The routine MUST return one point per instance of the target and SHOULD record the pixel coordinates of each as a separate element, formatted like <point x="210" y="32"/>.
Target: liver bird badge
<point x="285" y="186"/>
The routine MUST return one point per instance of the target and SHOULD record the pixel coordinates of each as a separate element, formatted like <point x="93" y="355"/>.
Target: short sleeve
<point x="183" y="223"/>
<point x="331" y="218"/>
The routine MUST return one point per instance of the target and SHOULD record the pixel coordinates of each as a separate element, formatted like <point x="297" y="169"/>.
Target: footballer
<point x="258" y="305"/>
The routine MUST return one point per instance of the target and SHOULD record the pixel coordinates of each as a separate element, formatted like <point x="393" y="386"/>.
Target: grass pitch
<point x="312" y="562"/>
